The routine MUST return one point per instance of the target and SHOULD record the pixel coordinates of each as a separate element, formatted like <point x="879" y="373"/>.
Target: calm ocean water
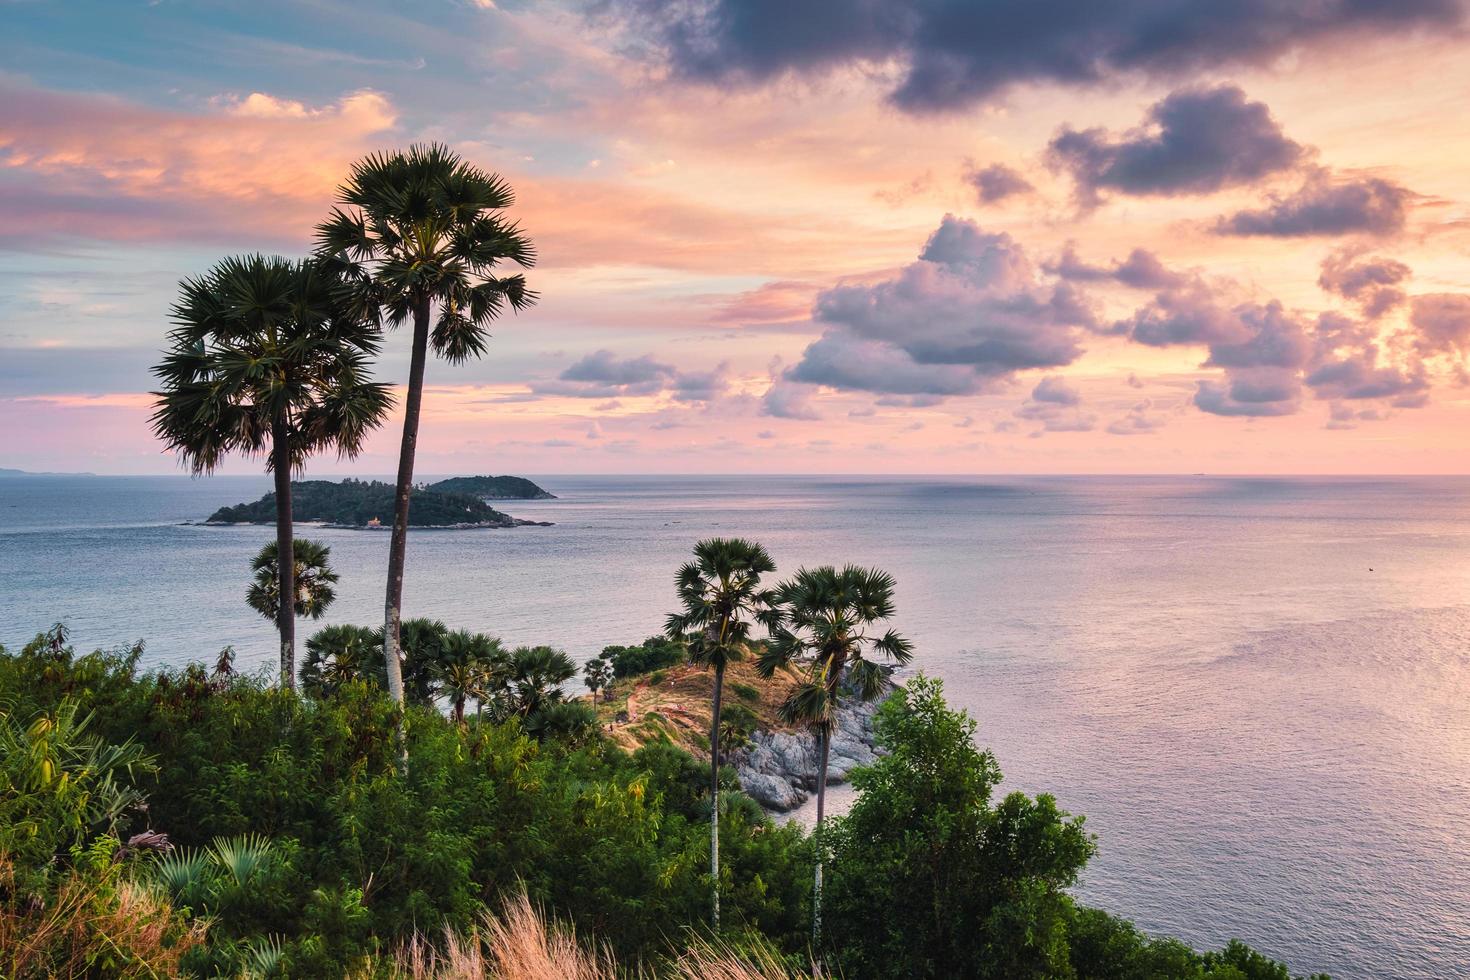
<point x="1258" y="690"/>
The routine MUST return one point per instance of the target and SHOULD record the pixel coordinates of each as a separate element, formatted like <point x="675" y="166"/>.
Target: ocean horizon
<point x="1253" y="687"/>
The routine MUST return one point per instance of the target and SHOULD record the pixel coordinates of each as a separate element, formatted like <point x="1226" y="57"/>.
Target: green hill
<point x="358" y="503"/>
<point x="493" y="487"/>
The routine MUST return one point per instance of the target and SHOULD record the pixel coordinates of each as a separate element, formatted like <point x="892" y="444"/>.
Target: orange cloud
<point x="100" y="166"/>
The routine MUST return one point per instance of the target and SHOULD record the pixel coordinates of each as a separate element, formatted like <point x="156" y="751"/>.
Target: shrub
<point x="652" y="654"/>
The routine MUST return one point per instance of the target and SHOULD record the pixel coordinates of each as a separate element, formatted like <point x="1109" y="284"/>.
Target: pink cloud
<point x="101" y="167"/>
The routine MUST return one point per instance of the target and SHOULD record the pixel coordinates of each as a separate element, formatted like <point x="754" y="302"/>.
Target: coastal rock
<point x="779" y="769"/>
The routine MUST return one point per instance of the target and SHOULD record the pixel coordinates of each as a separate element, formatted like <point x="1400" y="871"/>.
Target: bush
<point x="652" y="654"/>
<point x="981" y="883"/>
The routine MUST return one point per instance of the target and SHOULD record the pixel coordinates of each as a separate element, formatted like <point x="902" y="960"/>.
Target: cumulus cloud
<point x="996" y="182"/>
<point x="1370" y="281"/>
<point x="1137" y="422"/>
<point x="1327" y="205"/>
<point x="1142" y="269"/>
<point x="789" y="400"/>
<point x="970" y="312"/>
<point x="1056" y="391"/>
<point x="1258" y="393"/>
<point x="1194" y="141"/>
<point x="602" y="374"/>
<point x="1057" y="406"/>
<point x="950" y="54"/>
<point x="1443" y="323"/>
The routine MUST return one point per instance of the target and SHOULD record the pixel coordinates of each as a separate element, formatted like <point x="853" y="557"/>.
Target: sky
<point x="878" y="236"/>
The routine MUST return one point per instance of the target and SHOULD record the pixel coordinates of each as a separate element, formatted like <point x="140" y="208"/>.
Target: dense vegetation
<point x="300" y="849"/>
<point x="355" y="503"/>
<point x="493" y="487"/>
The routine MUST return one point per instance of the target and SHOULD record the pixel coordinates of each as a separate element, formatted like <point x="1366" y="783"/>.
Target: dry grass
<point x="521" y="944"/>
<point x="91" y="928"/>
<point x="678" y="709"/>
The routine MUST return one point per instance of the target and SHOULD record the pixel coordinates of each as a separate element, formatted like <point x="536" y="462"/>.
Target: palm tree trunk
<point x="285" y="552"/>
<point x="826" y="740"/>
<point x="393" y="607"/>
<point x="714" y="794"/>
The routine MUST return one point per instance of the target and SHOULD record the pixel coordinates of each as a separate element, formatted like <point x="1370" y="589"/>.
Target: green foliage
<point x="356" y="503"/>
<point x="652" y="654"/>
<point x="746" y="692"/>
<point x="60" y="785"/>
<point x="313" y="578"/>
<point x="658" y="677"/>
<point x="980" y="882"/>
<point x="493" y="487"/>
<point x="267" y="349"/>
<point x="597" y="674"/>
<point x="307" y="853"/>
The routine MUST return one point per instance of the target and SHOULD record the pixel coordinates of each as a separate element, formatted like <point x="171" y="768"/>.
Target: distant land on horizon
<point x="6" y="473"/>
<point x="369" y="504"/>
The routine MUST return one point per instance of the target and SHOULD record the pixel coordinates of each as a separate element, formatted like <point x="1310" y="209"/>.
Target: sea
<point x="1257" y="690"/>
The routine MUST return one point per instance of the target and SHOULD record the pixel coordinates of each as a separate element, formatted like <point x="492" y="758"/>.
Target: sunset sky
<point x="918" y="236"/>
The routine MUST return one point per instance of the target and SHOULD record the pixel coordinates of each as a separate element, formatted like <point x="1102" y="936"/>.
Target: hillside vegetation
<point x="493" y="487"/>
<point x="360" y="503"/>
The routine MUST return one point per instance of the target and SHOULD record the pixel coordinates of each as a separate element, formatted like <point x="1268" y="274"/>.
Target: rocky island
<point x="493" y="487"/>
<point x="369" y="504"/>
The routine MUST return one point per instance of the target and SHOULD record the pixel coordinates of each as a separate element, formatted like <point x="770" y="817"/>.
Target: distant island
<point x="7" y="473"/>
<point x="493" y="487"/>
<point x="365" y="504"/>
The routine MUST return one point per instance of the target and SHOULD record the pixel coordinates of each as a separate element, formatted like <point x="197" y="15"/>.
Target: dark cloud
<point x="1327" y="205"/>
<point x="1194" y="141"/>
<point x="1442" y="321"/>
<point x="602" y="374"/>
<point x="1255" y="393"/>
<point x="1141" y="270"/>
<point x="996" y="182"/>
<point x="955" y="53"/>
<point x="1276" y="340"/>
<point x="837" y="360"/>
<point x="1194" y="313"/>
<point x="1370" y="281"/>
<point x="1359" y="376"/>
<point x="789" y="400"/>
<point x="971" y="311"/>
<point x="701" y="386"/>
<point x="1056" y="390"/>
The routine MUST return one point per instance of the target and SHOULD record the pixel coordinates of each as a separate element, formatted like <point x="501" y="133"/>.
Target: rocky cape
<point x="778" y="769"/>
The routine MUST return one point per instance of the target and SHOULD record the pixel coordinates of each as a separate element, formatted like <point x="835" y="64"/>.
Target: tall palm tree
<point x="266" y="357"/>
<point x="829" y="622"/>
<point x="311" y="576"/>
<point x="418" y="231"/>
<point x="722" y="598"/>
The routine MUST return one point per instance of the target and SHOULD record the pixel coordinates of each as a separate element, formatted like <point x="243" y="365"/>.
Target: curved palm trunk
<point x="714" y="794"/>
<point x="392" y="612"/>
<point x="825" y="736"/>
<point x="285" y="553"/>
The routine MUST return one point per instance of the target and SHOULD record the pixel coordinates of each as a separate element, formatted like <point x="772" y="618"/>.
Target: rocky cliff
<point x="778" y="769"/>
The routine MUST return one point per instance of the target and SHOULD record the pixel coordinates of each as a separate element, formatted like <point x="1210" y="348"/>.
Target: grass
<point x="674" y="705"/>
<point x="522" y="944"/>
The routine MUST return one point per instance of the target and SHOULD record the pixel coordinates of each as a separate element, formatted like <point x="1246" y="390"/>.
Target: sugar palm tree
<point x="267" y="358"/>
<point x="336" y="655"/>
<point x="418" y="232"/>
<point x="722" y="597"/>
<point x="471" y="665"/>
<point x="311" y="577"/>
<point x="535" y="676"/>
<point x="829" y="622"/>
